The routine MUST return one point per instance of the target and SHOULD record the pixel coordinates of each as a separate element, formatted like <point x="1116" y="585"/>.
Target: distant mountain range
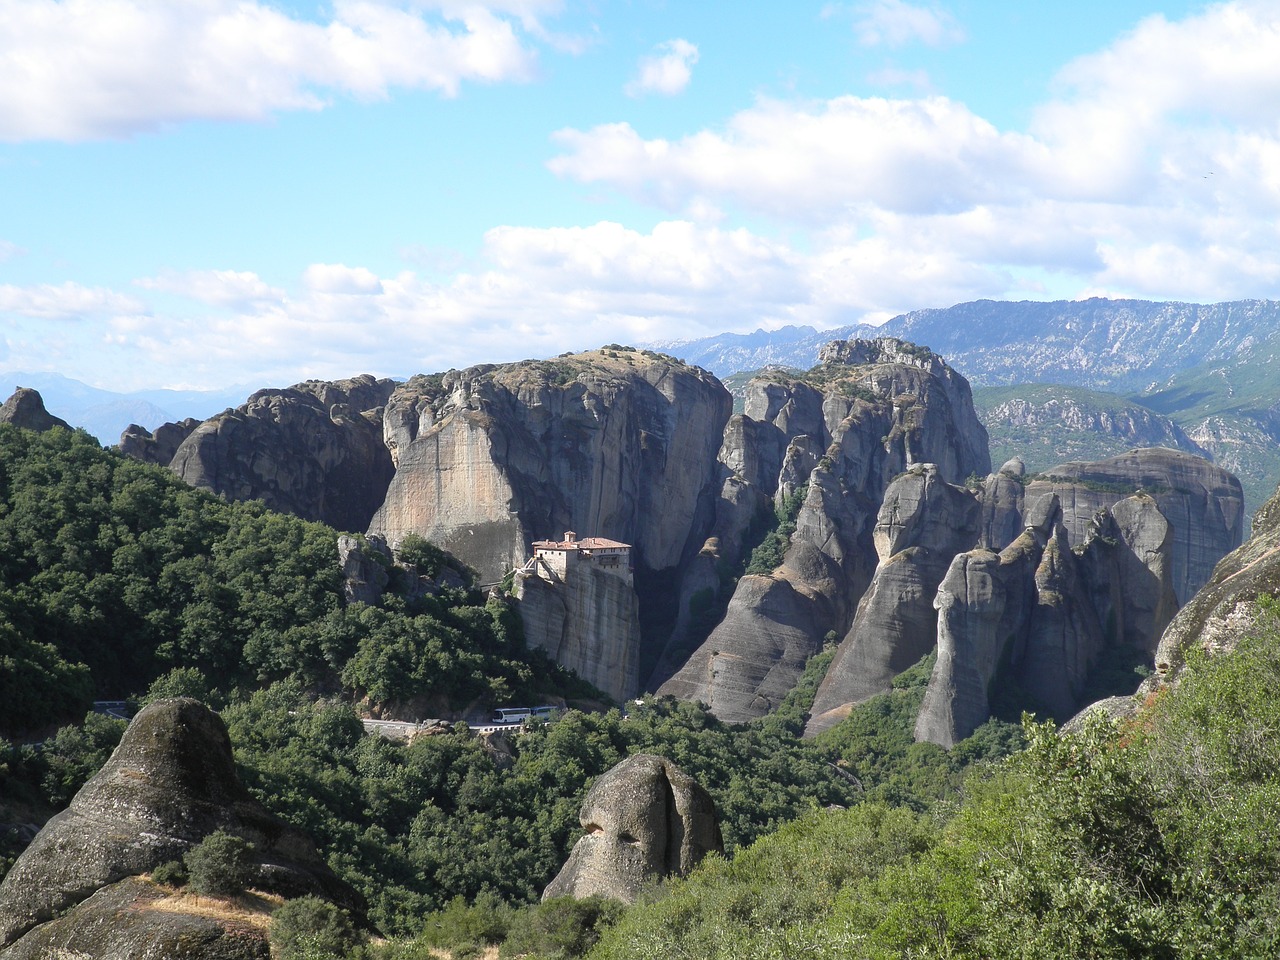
<point x="1209" y="368"/>
<point x="105" y="413"/>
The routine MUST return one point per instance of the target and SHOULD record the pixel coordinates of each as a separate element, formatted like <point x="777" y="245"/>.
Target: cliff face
<point x="1226" y="608"/>
<point x="1019" y="602"/>
<point x="314" y="450"/>
<point x="922" y="524"/>
<point x="846" y="429"/>
<point x="616" y="444"/>
<point x="1041" y="614"/>
<point x="170" y="783"/>
<point x="590" y="623"/>
<point x="1203" y="503"/>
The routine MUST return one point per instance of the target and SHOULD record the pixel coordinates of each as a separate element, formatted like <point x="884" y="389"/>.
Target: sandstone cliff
<point x="170" y="783"/>
<point x="1040" y="614"/>
<point x="646" y="819"/>
<point x="1226" y="607"/>
<point x="611" y="443"/>
<point x="922" y="524"/>
<point x="590" y="623"/>
<point x="1203" y="503"/>
<point x="870" y="411"/>
<point x="314" y="450"/>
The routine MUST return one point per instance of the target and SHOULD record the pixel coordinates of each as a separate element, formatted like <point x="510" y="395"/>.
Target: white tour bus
<point x="521" y="714"/>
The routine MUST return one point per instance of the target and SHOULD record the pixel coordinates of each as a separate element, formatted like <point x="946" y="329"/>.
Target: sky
<point x="200" y="193"/>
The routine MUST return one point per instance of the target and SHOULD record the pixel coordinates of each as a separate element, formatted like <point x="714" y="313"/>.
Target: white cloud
<point x="68" y="301"/>
<point x="893" y="23"/>
<point x="87" y="69"/>
<point x="215" y="287"/>
<point x="1133" y="180"/>
<point x="338" y="278"/>
<point x="815" y="163"/>
<point x="9" y="250"/>
<point x="1155" y="169"/>
<point x="666" y="72"/>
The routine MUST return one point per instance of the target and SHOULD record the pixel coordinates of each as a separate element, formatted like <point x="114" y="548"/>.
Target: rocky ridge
<point x="1032" y="581"/>
<point x="314" y="450"/>
<point x="1209" y="368"/>
<point x="1043" y="614"/>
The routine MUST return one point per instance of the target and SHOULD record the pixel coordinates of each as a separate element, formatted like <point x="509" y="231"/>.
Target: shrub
<point x="171" y="874"/>
<point x="220" y="865"/>
<point x="309" y="928"/>
<point x="561" y="927"/>
<point x="460" y="926"/>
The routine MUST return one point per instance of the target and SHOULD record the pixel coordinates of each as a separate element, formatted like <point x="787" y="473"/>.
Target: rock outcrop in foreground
<point x="645" y="819"/>
<point x="76" y="890"/>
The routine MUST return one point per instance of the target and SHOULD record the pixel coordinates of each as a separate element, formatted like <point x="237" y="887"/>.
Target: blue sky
<point x="205" y="192"/>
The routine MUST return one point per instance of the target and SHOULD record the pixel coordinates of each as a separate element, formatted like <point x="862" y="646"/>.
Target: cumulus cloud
<point x="215" y="287"/>
<point x="812" y="162"/>
<point x="1131" y="179"/>
<point x="141" y="65"/>
<point x="893" y="23"/>
<point x="1155" y="153"/>
<point x="667" y="72"/>
<point x="68" y="301"/>
<point x="338" y="278"/>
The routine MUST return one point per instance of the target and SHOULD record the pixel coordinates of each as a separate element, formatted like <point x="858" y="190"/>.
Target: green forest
<point x="1154" y="838"/>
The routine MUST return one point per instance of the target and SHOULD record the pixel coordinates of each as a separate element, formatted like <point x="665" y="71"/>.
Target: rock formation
<point x="842" y="432"/>
<point x="135" y="920"/>
<point x="645" y="819"/>
<point x="922" y="524"/>
<point x="25" y="409"/>
<point x="314" y="450"/>
<point x="1042" y="614"/>
<point x="1003" y="497"/>
<point x="364" y="565"/>
<point x="159" y="447"/>
<point x="170" y="783"/>
<point x="1203" y="503"/>
<point x="1225" y="609"/>
<point x="611" y="443"/>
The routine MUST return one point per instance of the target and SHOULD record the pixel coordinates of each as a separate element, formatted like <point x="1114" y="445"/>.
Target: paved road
<point x="404" y="729"/>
